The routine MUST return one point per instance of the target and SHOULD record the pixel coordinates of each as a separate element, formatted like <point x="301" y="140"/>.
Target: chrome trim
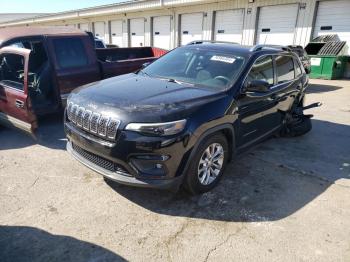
<point x="102" y="125"/>
<point x="112" y="128"/>
<point x="79" y="116"/>
<point x="93" y="122"/>
<point x="86" y="120"/>
<point x="73" y="113"/>
<point x="274" y="69"/>
<point x="97" y="140"/>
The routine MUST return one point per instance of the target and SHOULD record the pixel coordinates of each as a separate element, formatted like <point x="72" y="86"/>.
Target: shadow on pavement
<point x="268" y="183"/>
<point x="31" y="244"/>
<point x="49" y="134"/>
<point x="319" y="88"/>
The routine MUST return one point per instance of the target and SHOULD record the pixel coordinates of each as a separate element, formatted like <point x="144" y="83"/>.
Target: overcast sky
<point x="52" y="6"/>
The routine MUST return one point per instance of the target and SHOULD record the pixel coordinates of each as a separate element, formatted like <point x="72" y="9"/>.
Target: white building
<point x="6" y="17"/>
<point x="169" y="23"/>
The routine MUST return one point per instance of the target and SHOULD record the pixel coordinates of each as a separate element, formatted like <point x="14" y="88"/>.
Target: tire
<point x="298" y="127"/>
<point x="302" y="127"/>
<point x="193" y="177"/>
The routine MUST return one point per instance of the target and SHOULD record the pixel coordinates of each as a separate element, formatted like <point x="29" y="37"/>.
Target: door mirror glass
<point x="258" y="86"/>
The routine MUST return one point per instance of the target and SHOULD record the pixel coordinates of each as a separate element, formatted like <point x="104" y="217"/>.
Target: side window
<point x="285" y="69"/>
<point x="70" y="52"/>
<point x="12" y="71"/>
<point x="262" y="70"/>
<point x="298" y="71"/>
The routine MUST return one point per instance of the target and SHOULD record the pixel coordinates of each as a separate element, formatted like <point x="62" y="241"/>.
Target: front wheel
<point x="208" y="165"/>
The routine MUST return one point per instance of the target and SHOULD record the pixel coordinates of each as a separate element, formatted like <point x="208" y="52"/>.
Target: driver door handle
<point x="19" y="103"/>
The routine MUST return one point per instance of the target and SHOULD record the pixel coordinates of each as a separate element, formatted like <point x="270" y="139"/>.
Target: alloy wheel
<point x="210" y="164"/>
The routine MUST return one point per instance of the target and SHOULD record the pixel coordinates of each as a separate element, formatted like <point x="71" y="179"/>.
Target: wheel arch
<point x="226" y="129"/>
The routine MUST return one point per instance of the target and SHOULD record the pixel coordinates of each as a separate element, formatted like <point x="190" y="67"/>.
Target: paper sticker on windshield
<point x="224" y="59"/>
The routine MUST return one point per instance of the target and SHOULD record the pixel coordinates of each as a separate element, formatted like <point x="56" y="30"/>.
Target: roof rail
<point x="262" y="46"/>
<point x="198" y="42"/>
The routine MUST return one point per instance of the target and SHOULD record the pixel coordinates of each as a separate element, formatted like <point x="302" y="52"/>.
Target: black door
<point x="255" y="108"/>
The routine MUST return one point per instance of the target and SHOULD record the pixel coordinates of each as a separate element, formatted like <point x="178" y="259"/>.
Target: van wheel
<point x="207" y="165"/>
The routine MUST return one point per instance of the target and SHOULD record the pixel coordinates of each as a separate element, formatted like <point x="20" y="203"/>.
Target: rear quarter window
<point x="70" y="52"/>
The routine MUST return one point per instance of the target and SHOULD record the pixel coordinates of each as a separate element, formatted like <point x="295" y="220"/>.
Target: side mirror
<point x="145" y="65"/>
<point x="258" y="86"/>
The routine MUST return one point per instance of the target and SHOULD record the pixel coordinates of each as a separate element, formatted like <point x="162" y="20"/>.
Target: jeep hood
<point x="142" y="98"/>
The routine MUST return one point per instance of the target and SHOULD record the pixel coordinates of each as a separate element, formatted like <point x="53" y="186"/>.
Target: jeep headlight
<point x="160" y="129"/>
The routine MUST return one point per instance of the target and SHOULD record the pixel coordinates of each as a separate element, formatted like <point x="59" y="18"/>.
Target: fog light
<point x="150" y="165"/>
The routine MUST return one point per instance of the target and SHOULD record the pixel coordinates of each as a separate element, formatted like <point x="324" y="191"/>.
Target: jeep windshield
<point x="198" y="67"/>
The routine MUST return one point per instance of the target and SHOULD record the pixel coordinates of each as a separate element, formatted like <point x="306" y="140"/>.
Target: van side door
<point x="15" y="105"/>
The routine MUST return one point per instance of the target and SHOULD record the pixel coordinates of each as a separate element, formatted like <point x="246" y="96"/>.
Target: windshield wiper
<point x="173" y="80"/>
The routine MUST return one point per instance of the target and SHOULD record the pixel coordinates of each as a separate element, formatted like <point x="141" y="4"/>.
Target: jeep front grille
<point x="92" y="122"/>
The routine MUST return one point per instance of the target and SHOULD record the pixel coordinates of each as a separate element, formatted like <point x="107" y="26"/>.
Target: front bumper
<point x="82" y="146"/>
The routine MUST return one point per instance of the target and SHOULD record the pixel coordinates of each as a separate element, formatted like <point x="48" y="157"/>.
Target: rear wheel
<point x="299" y="126"/>
<point x="208" y="165"/>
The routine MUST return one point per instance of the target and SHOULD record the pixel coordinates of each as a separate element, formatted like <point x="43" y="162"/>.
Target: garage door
<point x="229" y="25"/>
<point x="276" y="24"/>
<point x="161" y="32"/>
<point x="191" y="27"/>
<point x="117" y="32"/>
<point x="99" y="30"/>
<point x="333" y="17"/>
<point x="84" y="26"/>
<point x="137" y="32"/>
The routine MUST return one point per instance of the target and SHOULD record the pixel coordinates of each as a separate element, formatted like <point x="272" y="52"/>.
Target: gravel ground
<point x="287" y="199"/>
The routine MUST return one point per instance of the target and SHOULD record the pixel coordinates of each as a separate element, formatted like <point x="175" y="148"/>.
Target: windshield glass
<point x="207" y="68"/>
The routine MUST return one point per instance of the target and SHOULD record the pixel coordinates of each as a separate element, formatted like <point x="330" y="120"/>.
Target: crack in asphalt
<point x="222" y="243"/>
<point x="174" y="236"/>
<point x="33" y="184"/>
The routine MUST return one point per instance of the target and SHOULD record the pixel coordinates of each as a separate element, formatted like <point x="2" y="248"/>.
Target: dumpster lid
<point x="332" y="48"/>
<point x="326" y="38"/>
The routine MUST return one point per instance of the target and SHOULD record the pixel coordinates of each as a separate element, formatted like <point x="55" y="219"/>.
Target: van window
<point x="12" y="71"/>
<point x="285" y="69"/>
<point x="70" y="52"/>
<point x="262" y="70"/>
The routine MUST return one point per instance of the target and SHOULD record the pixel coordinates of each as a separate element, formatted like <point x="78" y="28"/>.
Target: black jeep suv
<point x="179" y="120"/>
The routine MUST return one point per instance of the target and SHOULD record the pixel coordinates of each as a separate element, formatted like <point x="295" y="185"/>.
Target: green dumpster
<point x="328" y="67"/>
<point x="327" y="59"/>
